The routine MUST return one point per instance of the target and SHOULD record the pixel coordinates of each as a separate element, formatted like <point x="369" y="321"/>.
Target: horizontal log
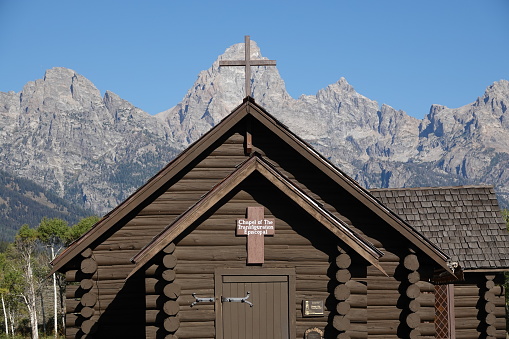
<point x="221" y="161"/>
<point x="89" y="299"/>
<point x="171" y="308"/>
<point x="170" y="248"/>
<point x="196" y="315"/>
<point x="86" y="284"/>
<point x="426" y="299"/>
<point x="238" y="253"/>
<point x="312" y="285"/>
<point x="172" y="291"/>
<point x="467" y="333"/>
<point x="129" y="242"/>
<point x="197" y="185"/>
<point x="140" y="231"/>
<point x="414" y="305"/>
<point x="341" y="323"/>
<point x="112" y="303"/>
<point x="358" y="315"/>
<point x="425" y="286"/>
<point x="88" y="266"/>
<point x="341" y="292"/>
<point x="169" y="261"/>
<point x="357" y="301"/>
<point x="87" y="312"/>
<point x="489" y="296"/>
<point x="490" y="319"/>
<point x="497" y="290"/>
<point x="343" y="260"/>
<point x="467" y="323"/>
<point x="389" y="268"/>
<point x="414" y="277"/>
<point x="89" y="326"/>
<point x="343" y="275"/>
<point x="169" y="275"/>
<point x="413" y="291"/>
<point x="151" y="316"/>
<point x="427" y="329"/>
<point x="87" y="253"/>
<point x="411" y="262"/>
<point x="107" y="273"/>
<point x="383" y="284"/>
<point x="357" y="334"/>
<point x="343" y="307"/>
<point x="208" y="173"/>
<point x="154" y="285"/>
<point x="73" y="320"/>
<point x="228" y="238"/>
<point x="72" y="305"/>
<point x="236" y="149"/>
<point x="413" y="320"/>
<point x="110" y="258"/>
<point x="465" y="290"/>
<point x="195" y="284"/>
<point x="201" y="329"/>
<point x="382" y="327"/>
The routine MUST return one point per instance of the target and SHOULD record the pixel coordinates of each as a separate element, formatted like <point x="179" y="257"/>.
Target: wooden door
<point x="270" y="315"/>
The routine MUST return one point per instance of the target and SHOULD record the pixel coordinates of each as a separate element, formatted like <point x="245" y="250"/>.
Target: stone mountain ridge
<point x="95" y="150"/>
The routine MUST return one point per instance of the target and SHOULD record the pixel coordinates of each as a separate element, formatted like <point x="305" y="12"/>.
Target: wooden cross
<point x="247" y="62"/>
<point x="255" y="227"/>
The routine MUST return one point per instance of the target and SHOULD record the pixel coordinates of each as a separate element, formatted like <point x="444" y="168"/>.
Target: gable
<point x="257" y="165"/>
<point x="217" y="153"/>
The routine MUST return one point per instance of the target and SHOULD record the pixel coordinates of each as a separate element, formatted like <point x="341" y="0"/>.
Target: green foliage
<point x="53" y="231"/>
<point x="505" y="215"/>
<point x="24" y="266"/>
<point x="26" y="235"/>
<point x="80" y="228"/>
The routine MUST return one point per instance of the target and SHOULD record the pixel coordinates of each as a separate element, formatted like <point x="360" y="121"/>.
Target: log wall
<point x="357" y="304"/>
<point x="113" y="253"/>
<point x="480" y="307"/>
<point x="308" y="248"/>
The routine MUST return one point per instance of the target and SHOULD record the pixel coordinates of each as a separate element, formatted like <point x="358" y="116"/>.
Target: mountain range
<point x="94" y="150"/>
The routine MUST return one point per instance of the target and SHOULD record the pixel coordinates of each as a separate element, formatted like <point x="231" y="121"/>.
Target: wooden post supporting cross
<point x="255" y="227"/>
<point x="247" y="62"/>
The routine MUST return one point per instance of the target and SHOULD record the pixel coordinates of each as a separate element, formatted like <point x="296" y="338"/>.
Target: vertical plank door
<point x="269" y="316"/>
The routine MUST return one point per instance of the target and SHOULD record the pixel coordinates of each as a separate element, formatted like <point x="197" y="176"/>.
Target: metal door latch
<point x="201" y="300"/>
<point x="237" y="300"/>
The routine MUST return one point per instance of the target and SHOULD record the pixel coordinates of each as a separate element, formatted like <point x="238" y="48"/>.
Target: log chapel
<point x="250" y="233"/>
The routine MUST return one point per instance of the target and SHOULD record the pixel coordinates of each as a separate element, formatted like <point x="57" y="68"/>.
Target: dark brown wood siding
<point x="299" y="243"/>
<point x="479" y="306"/>
<point x="113" y="251"/>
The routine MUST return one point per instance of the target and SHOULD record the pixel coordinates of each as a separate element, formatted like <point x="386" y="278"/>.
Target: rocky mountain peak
<point x="96" y="150"/>
<point x="496" y="100"/>
<point x="61" y="89"/>
<point x="218" y="90"/>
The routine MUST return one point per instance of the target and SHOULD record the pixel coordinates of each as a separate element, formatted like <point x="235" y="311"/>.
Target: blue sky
<point x="407" y="54"/>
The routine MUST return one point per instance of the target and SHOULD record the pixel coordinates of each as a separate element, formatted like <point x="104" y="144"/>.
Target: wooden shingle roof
<point x="465" y="222"/>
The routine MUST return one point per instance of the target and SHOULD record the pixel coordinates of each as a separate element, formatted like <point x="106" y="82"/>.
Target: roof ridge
<point x="429" y="188"/>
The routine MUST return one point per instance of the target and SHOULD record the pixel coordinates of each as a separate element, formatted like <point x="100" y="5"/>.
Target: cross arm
<point x="251" y="63"/>
<point x="232" y="63"/>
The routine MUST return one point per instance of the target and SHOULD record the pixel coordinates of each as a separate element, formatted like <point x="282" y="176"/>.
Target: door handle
<point x="237" y="300"/>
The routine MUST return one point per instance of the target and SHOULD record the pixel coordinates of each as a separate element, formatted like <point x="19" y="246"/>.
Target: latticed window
<point x="444" y="311"/>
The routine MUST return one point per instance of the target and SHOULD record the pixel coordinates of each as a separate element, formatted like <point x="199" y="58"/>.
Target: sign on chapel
<point x="250" y="233"/>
